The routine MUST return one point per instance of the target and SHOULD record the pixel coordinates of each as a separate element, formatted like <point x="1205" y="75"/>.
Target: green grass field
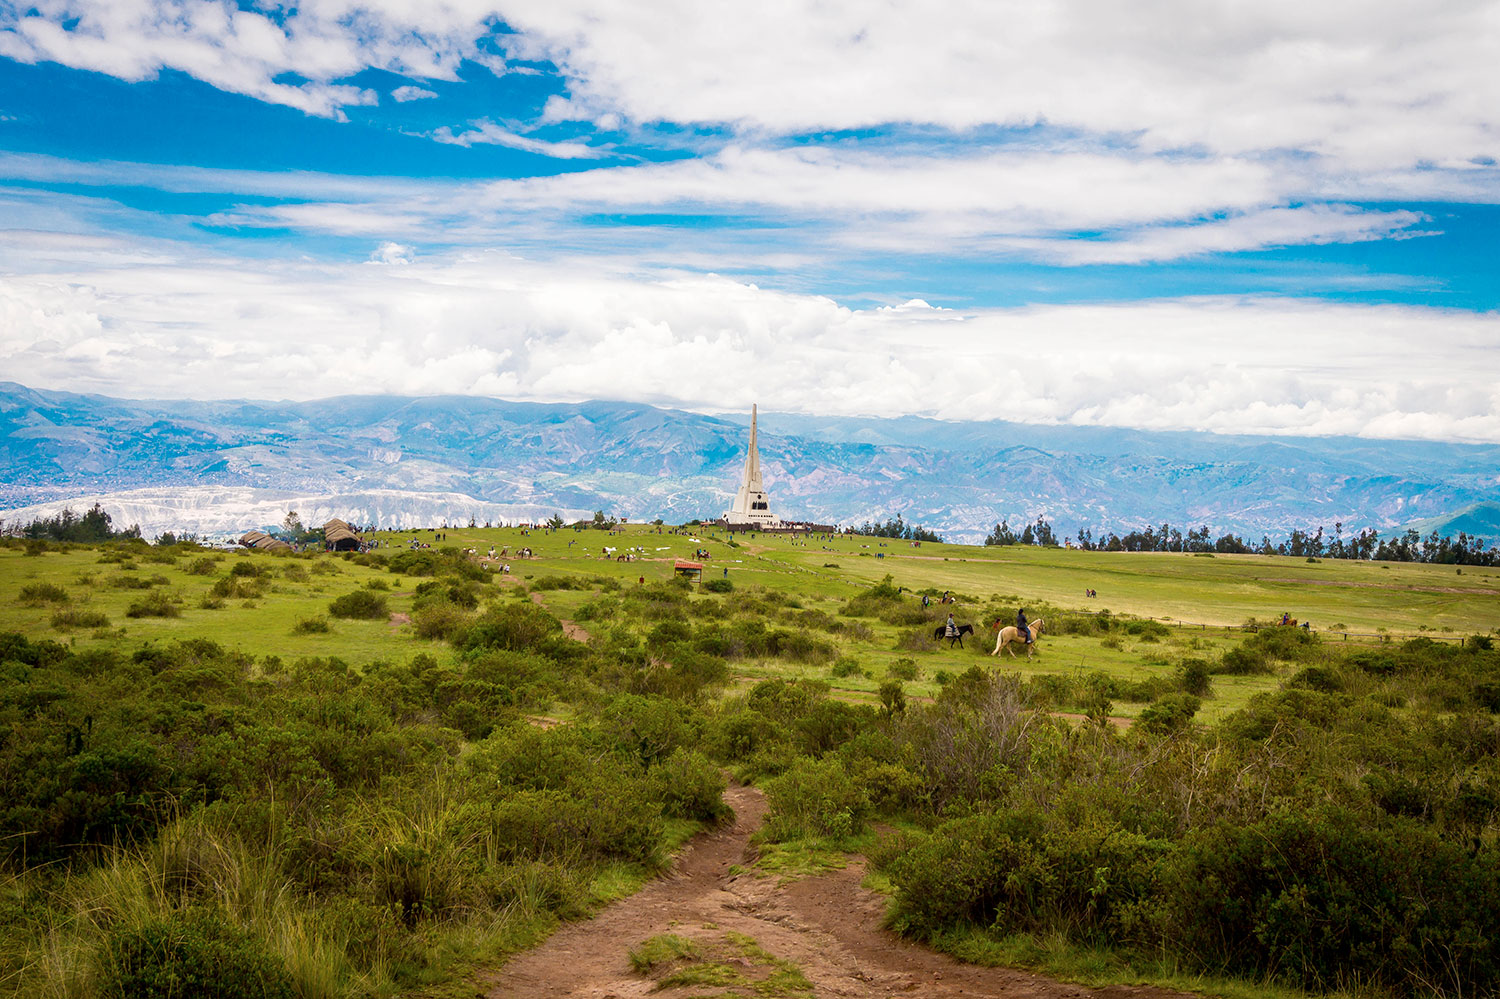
<point x="1204" y="601"/>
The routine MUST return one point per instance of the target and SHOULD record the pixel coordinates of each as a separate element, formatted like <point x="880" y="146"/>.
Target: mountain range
<point x="224" y="467"/>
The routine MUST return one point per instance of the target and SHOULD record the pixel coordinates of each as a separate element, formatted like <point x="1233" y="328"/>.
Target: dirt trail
<point x="570" y="629"/>
<point x="828" y="926"/>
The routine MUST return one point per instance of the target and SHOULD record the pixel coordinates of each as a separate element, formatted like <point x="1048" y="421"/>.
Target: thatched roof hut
<point x="340" y="536"/>
<point x="264" y="542"/>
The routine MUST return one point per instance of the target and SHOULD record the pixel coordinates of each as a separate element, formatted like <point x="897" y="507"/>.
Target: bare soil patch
<point x="828" y="926"/>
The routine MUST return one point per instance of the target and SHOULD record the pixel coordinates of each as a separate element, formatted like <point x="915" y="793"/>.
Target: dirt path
<point x="570" y="629"/>
<point x="828" y="926"/>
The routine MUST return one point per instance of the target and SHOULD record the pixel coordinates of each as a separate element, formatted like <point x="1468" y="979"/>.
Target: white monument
<point x="752" y="507"/>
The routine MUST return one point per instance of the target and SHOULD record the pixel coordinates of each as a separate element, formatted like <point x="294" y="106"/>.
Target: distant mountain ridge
<point x="403" y="461"/>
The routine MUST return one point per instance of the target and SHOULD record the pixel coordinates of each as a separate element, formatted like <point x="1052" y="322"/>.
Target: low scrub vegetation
<point x="442" y="791"/>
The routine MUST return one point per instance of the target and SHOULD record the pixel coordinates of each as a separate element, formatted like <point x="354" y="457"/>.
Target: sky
<point x="1267" y="218"/>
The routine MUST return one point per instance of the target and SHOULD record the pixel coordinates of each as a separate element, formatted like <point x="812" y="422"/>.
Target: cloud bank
<point x="492" y="324"/>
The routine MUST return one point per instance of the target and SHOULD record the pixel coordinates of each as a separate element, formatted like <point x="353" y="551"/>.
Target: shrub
<point x="518" y="627"/>
<point x="1242" y="661"/>
<point x="892" y="697"/>
<point x="36" y="594"/>
<point x="241" y="587"/>
<point x="689" y="786"/>
<point x="312" y="626"/>
<point x="1320" y="678"/>
<point x="1324" y="896"/>
<point x="202" y="566"/>
<point x="359" y="604"/>
<point x="155" y="604"/>
<point x="847" y="666"/>
<point x="600" y="818"/>
<point x="719" y="585"/>
<point x="70" y="617"/>
<point x="902" y="669"/>
<point x="1147" y="631"/>
<point x="1171" y="713"/>
<point x="814" y="798"/>
<point x="191" y="955"/>
<point x="439" y="619"/>
<point x="462" y="593"/>
<point x="1193" y="677"/>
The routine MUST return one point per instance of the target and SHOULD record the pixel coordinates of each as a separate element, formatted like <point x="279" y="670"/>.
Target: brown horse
<point x="1009" y="635"/>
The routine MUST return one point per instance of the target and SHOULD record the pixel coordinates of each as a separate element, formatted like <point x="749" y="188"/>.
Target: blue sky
<point x="1176" y="215"/>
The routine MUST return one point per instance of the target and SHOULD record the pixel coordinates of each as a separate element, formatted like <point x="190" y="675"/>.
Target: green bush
<point x="439" y="619"/>
<point x="721" y="584"/>
<point x="902" y="669"/>
<point x="1242" y="661"/>
<point x="359" y="604"/>
<point x="1020" y="872"/>
<point x="1321" y="896"/>
<point x="312" y="626"/>
<point x="518" y="627"/>
<point x="815" y="798"/>
<point x="190" y="955"/>
<point x="1171" y="713"/>
<point x="1194" y="677"/>
<point x="36" y="594"/>
<point x="73" y="617"/>
<point x="595" y="821"/>
<point x="847" y="666"/>
<point x="1147" y="631"/>
<point x="156" y="604"/>
<point x="238" y="587"/>
<point x="689" y="786"/>
<point x="463" y="593"/>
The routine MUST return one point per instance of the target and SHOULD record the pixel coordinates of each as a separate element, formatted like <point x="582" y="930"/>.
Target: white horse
<point x="1009" y="635"/>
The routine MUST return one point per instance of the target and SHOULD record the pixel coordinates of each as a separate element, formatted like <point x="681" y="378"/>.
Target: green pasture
<point x="1204" y="601"/>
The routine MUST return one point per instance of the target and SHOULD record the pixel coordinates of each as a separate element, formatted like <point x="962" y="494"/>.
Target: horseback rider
<point x="1021" y="626"/>
<point x="950" y="630"/>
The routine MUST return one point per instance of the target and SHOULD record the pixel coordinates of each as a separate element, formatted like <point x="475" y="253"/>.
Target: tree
<point x="1001" y="535"/>
<point x="291" y="524"/>
<point x="556" y="522"/>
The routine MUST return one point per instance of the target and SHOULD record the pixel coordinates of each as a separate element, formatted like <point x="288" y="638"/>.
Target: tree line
<point x="1367" y="545"/>
<point x="897" y="528"/>
<point x="94" y="525"/>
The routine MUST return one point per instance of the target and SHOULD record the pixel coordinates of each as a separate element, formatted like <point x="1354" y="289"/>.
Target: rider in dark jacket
<point x="1021" y="625"/>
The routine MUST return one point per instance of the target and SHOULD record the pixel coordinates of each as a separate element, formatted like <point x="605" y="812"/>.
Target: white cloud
<point x="488" y="133"/>
<point x="1384" y="83"/>
<point x="391" y="253"/>
<point x="404" y="94"/>
<point x="1028" y="203"/>
<point x="1362" y="86"/>
<point x="491" y="324"/>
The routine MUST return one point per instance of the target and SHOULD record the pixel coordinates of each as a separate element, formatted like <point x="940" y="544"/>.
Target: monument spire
<point x="751" y="477"/>
<point x="752" y="507"/>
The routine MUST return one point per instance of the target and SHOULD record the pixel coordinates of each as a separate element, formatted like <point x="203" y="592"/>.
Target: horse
<point x="1010" y="634"/>
<point x="958" y="636"/>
